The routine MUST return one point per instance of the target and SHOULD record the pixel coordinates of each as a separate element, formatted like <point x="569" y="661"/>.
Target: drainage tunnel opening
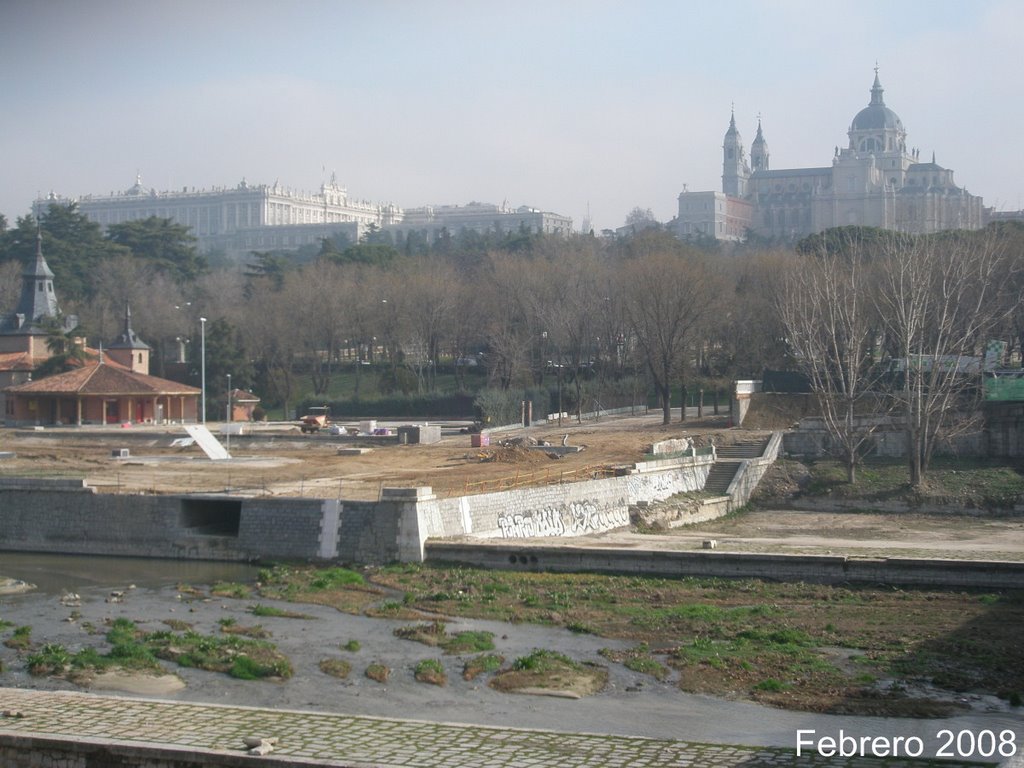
<point x="211" y="517"/>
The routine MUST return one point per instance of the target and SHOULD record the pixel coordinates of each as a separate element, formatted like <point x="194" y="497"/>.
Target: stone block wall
<point x="44" y="520"/>
<point x="288" y="528"/>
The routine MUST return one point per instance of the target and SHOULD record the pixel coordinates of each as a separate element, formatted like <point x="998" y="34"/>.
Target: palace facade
<point x="236" y="221"/>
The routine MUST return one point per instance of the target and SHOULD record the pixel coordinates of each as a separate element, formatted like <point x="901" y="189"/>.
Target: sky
<point x="567" y="106"/>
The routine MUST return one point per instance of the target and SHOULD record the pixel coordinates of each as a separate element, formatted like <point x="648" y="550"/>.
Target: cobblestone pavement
<point x="345" y="740"/>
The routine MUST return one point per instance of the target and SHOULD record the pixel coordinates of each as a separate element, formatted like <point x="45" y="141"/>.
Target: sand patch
<point x="136" y="682"/>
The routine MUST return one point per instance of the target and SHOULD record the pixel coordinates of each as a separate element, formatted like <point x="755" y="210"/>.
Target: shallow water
<point x="58" y="574"/>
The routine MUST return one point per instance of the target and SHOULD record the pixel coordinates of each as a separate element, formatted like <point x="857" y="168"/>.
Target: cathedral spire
<point x="759" y="150"/>
<point x="877" y="91"/>
<point x="735" y="171"/>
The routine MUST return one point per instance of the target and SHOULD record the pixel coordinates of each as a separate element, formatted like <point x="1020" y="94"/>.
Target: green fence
<point x="1004" y="388"/>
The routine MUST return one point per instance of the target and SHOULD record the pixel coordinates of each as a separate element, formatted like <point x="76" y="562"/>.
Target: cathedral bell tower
<point x="735" y="170"/>
<point x="759" y="151"/>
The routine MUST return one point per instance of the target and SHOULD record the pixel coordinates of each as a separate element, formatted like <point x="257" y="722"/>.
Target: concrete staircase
<point x="727" y="462"/>
<point x="748" y="449"/>
<point x="722" y="473"/>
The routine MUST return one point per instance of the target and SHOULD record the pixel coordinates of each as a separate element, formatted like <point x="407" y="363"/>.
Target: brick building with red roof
<point x="112" y="386"/>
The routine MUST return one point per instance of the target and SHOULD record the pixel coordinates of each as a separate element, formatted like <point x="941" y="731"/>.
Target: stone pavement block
<point x="206" y="734"/>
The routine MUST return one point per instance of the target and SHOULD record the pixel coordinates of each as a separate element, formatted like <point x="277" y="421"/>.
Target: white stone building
<point x="246" y="218"/>
<point x="875" y="181"/>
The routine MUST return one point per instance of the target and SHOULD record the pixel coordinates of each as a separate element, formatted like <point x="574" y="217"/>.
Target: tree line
<point x="601" y="321"/>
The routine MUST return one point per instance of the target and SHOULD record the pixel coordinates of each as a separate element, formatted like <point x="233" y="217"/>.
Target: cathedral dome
<point x="876" y="116"/>
<point x="876" y="127"/>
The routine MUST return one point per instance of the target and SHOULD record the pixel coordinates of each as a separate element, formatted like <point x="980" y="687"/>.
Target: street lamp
<point x="229" y="414"/>
<point x="202" y="368"/>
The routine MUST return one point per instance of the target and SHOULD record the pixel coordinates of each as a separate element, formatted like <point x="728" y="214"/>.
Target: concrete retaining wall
<point x="889" y="441"/>
<point x="751" y="471"/>
<point x="87" y="523"/>
<point x="825" y="569"/>
<point x="569" y="509"/>
<point x="38" y="516"/>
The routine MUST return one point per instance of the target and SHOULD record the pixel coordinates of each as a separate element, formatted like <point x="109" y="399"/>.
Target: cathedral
<point x="875" y="181"/>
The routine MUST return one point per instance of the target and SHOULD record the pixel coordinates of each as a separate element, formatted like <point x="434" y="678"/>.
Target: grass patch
<point x="20" y="639"/>
<point x="431" y="671"/>
<point x="470" y="641"/>
<point x="231" y="589"/>
<point x="232" y="628"/>
<point x="378" y="672"/>
<point x="352" y="646"/>
<point x="550" y="670"/>
<point x="435" y="635"/>
<point x="335" y="668"/>
<point x="485" y="663"/>
<point x="432" y="634"/>
<point x="973" y="482"/>
<point x="270" y="610"/>
<point x="730" y="635"/>
<point x="52" y="659"/>
<point x="341" y="588"/>
<point x="239" y="657"/>
<point x="331" y="578"/>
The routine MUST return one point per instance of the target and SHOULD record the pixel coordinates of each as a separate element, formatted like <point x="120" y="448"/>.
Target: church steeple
<point x="129" y="350"/>
<point x="37" y="305"/>
<point x="759" y="150"/>
<point x="735" y="170"/>
<point x="876" y="92"/>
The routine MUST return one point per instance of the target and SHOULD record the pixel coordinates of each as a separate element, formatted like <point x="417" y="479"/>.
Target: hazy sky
<point x="552" y="104"/>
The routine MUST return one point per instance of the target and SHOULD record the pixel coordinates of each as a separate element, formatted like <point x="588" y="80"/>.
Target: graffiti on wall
<point x="573" y="519"/>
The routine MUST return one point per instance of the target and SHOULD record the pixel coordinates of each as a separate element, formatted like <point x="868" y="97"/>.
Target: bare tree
<point x="318" y="320"/>
<point x="271" y="334"/>
<point x="10" y="285"/>
<point x="831" y="326"/>
<point x="427" y="296"/>
<point x="939" y="299"/>
<point x="669" y="298"/>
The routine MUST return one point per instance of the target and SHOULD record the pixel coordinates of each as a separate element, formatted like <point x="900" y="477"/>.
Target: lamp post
<point x="229" y="413"/>
<point x="202" y="369"/>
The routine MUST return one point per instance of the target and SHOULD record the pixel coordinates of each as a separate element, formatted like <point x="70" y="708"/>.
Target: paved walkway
<point x="344" y="740"/>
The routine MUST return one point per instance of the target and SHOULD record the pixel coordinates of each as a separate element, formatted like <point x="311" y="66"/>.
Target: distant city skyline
<point x="558" y="106"/>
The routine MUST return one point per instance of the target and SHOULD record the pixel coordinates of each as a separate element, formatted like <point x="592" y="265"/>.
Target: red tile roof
<point x="16" y="361"/>
<point x="103" y="380"/>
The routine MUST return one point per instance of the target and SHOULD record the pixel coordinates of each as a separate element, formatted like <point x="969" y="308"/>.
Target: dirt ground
<point x="276" y="459"/>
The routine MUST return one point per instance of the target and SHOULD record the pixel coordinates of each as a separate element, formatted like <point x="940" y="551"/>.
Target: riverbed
<point x="150" y="592"/>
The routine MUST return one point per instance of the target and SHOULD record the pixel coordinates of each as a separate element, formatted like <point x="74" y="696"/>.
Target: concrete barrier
<point x="709" y="563"/>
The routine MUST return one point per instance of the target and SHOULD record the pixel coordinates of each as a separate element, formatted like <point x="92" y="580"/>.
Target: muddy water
<point x="57" y="574"/>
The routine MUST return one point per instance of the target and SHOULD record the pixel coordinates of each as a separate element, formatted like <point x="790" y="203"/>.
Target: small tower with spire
<point x="759" y="151"/>
<point x="37" y="314"/>
<point x="129" y="350"/>
<point x="735" y="171"/>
